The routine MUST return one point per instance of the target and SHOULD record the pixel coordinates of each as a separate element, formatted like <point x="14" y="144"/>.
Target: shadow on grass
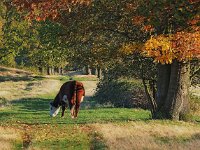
<point x="32" y="104"/>
<point x="28" y="111"/>
<point x="88" y="103"/>
<point x="3" y="70"/>
<point x="20" y="78"/>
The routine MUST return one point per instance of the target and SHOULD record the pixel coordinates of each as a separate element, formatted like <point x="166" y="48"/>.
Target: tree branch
<point x="195" y="72"/>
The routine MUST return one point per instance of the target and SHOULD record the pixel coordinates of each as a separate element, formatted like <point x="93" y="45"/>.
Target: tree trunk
<point x="162" y="89"/>
<point x="88" y="70"/>
<point x="60" y="70"/>
<point x="177" y="101"/>
<point x="52" y="71"/>
<point x="56" y="69"/>
<point x="93" y="71"/>
<point x="40" y="69"/>
<point x="172" y="91"/>
<point x="99" y="73"/>
<point x="48" y="70"/>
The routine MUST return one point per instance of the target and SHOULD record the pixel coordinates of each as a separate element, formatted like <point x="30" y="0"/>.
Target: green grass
<point x="36" y="111"/>
<point x="64" y="137"/>
<point x="31" y="116"/>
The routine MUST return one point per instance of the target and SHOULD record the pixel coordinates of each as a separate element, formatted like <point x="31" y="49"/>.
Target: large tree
<point x="174" y="42"/>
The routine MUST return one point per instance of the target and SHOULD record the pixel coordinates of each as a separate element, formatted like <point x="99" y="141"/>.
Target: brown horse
<point x="71" y="94"/>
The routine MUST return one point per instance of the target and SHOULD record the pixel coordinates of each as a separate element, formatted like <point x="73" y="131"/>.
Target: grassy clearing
<point x="97" y="128"/>
<point x="25" y="122"/>
<point x="36" y="130"/>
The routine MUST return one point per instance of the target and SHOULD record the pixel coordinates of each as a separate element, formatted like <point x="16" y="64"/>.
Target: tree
<point x="10" y="36"/>
<point x="174" y="25"/>
<point x="31" y="44"/>
<point x="50" y="52"/>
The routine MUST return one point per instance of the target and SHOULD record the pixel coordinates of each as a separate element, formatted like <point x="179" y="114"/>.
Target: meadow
<point x="25" y="122"/>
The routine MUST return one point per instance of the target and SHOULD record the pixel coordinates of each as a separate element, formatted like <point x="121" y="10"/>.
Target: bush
<point x="195" y="104"/>
<point x="122" y="93"/>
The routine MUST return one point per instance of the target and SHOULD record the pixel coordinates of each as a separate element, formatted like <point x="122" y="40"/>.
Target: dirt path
<point x="90" y="87"/>
<point x="28" y="89"/>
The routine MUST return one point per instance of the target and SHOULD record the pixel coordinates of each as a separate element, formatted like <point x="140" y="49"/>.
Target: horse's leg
<point x="64" y="104"/>
<point x="63" y="110"/>
<point x="76" y="110"/>
<point x="72" y="111"/>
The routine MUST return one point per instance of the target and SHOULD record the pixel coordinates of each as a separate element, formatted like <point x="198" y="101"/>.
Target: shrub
<point x="195" y="104"/>
<point x="121" y="93"/>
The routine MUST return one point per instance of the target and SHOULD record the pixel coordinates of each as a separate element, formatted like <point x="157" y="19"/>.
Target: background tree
<point x="30" y="44"/>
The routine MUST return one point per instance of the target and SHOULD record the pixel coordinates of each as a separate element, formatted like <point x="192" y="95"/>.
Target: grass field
<point x="25" y="122"/>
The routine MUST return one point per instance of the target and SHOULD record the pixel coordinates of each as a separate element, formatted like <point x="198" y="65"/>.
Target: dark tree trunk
<point x="40" y="69"/>
<point x="172" y="91"/>
<point x="94" y="71"/>
<point x="162" y="89"/>
<point x="49" y="71"/>
<point x="56" y="69"/>
<point x="99" y="73"/>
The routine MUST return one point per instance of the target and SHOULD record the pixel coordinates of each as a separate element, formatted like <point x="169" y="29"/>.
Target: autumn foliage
<point x="175" y="29"/>
<point x="181" y="46"/>
<point x="152" y="16"/>
<point x="165" y="48"/>
<point x="42" y="9"/>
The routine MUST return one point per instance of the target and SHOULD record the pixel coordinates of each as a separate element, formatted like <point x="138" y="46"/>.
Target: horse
<point x="70" y="94"/>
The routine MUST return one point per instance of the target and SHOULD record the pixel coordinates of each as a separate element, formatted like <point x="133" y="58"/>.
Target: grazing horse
<point x="71" y="94"/>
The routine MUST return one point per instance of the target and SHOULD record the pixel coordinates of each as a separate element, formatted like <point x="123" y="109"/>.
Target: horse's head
<point x="54" y="110"/>
<point x="56" y="104"/>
